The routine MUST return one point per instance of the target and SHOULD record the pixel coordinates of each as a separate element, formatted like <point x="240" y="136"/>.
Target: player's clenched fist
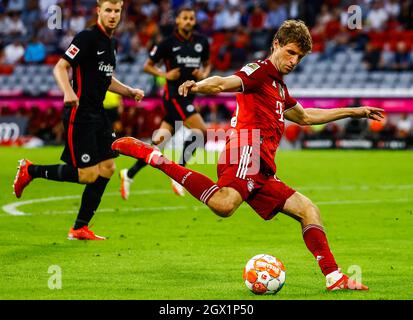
<point x="186" y="87"/>
<point x="136" y="94"/>
<point x="70" y="99"/>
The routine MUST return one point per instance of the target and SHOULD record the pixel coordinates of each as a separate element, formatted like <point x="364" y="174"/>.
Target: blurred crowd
<point x="139" y="122"/>
<point x="238" y="30"/>
<point x="394" y="126"/>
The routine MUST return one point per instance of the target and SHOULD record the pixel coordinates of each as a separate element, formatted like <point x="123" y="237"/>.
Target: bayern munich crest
<point x="250" y="184"/>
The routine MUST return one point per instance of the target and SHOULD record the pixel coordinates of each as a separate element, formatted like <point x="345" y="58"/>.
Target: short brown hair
<point x="100" y="2"/>
<point x="182" y="9"/>
<point x="294" y="31"/>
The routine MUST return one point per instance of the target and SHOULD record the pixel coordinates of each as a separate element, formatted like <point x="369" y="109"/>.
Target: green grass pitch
<point x="164" y="247"/>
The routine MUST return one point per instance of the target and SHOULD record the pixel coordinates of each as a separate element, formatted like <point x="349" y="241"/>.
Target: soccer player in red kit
<point x="257" y="127"/>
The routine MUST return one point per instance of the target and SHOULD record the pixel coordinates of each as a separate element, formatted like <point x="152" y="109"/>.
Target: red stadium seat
<point x="52" y="59"/>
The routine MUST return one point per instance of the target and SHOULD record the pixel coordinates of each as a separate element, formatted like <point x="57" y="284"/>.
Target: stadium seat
<point x="302" y="78"/>
<point x="45" y="70"/>
<point x="308" y="68"/>
<point x="312" y="58"/>
<point x="322" y="66"/>
<point x="130" y="79"/>
<point x="337" y="67"/>
<point x="19" y="69"/>
<point x="32" y="70"/>
<point x="405" y="80"/>
<point x="360" y="75"/>
<point x="355" y="56"/>
<point x="390" y="77"/>
<point x="122" y="68"/>
<point x="347" y="77"/>
<point x="354" y="85"/>
<point x="352" y="67"/>
<point x="332" y="77"/>
<point x="376" y="76"/>
<point x="318" y="79"/>
<point x="340" y="57"/>
<point x="136" y="68"/>
<point x="370" y="85"/>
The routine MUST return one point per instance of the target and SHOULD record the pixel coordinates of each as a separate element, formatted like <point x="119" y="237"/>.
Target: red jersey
<point x="261" y="106"/>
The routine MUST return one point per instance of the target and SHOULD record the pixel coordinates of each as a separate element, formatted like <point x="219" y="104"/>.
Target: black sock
<point x="187" y="152"/>
<point x="132" y="171"/>
<point x="90" y="201"/>
<point x="56" y="172"/>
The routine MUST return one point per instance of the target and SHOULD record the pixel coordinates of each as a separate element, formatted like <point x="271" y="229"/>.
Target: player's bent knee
<point x="223" y="210"/>
<point x="224" y="203"/>
<point x="312" y="213"/>
<point x="89" y="175"/>
<point x="302" y="209"/>
<point x="110" y="169"/>
<point x="223" y="207"/>
<point x="107" y="168"/>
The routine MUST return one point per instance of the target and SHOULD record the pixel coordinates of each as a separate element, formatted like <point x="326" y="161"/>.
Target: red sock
<point x="200" y="186"/>
<point x="316" y="241"/>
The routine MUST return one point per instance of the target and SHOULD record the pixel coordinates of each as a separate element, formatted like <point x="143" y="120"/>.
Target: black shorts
<point x="89" y="136"/>
<point x="113" y="115"/>
<point x="178" y="109"/>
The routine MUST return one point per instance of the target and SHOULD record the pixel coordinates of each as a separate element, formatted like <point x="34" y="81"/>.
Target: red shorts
<point x="261" y="190"/>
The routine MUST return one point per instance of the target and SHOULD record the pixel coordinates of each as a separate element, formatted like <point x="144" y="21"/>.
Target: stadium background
<point x="371" y="65"/>
<point x="166" y="247"/>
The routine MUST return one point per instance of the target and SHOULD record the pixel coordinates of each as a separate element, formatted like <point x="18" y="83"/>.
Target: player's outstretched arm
<point x="118" y="87"/>
<point x="311" y="116"/>
<point x="211" y="85"/>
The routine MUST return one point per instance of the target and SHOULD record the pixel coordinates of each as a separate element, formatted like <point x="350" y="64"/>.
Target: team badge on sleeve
<point x="72" y="51"/>
<point x="250" y="68"/>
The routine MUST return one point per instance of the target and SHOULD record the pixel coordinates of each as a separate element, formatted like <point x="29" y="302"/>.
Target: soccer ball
<point x="264" y="274"/>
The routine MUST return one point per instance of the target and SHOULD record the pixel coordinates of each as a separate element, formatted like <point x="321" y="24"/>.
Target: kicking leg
<point x="303" y="210"/>
<point x="160" y="137"/>
<point x="222" y="201"/>
<point x="198" y="134"/>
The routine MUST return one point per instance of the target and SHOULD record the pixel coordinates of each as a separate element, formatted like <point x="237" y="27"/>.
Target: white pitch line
<point x="171" y="208"/>
<point x="11" y="208"/>
<point x="111" y="210"/>
<point x="358" y="187"/>
<point x="343" y="202"/>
